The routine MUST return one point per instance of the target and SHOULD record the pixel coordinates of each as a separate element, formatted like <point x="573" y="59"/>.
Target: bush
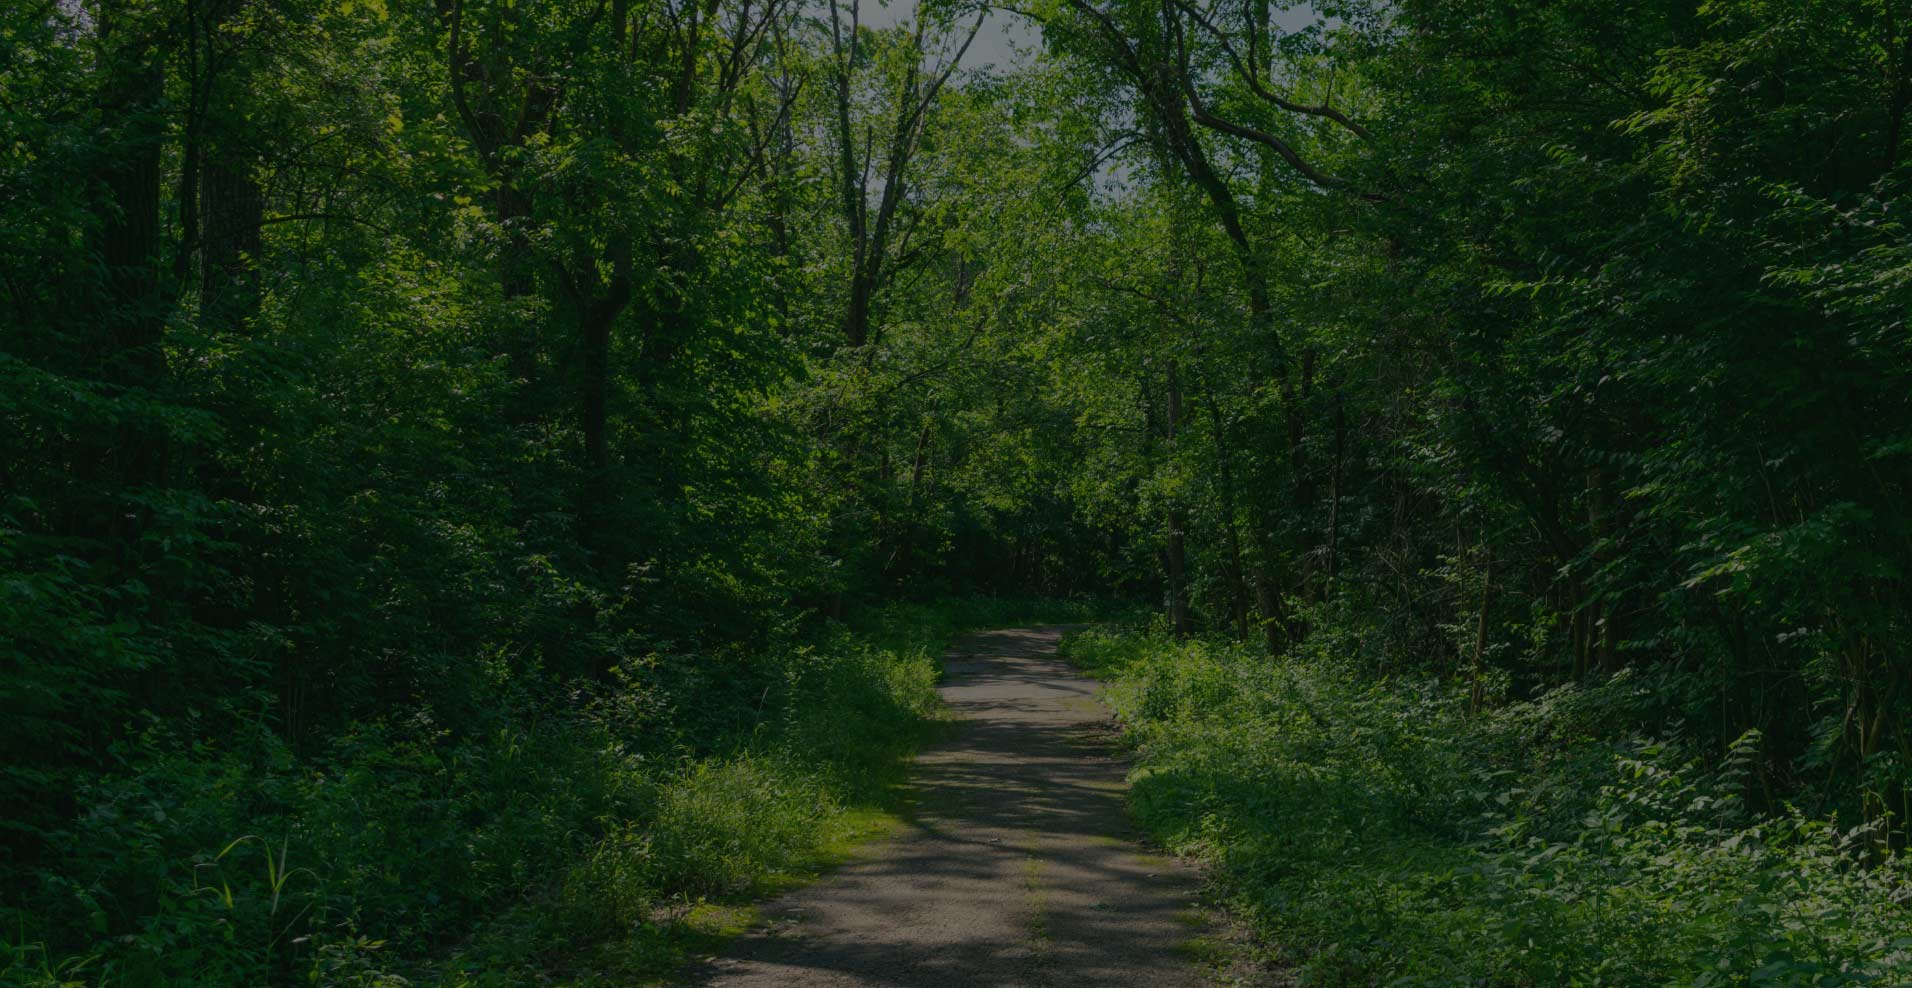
<point x="1376" y="833"/>
<point x="589" y="813"/>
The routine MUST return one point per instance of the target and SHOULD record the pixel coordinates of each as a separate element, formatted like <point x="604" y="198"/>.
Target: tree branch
<point x="1252" y="77"/>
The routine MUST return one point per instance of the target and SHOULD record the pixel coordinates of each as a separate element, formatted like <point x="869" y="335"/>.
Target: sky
<point x="996" y="44"/>
<point x="1008" y="40"/>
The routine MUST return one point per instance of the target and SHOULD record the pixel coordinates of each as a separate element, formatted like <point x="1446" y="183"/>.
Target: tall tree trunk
<point x="856" y="319"/>
<point x="131" y="304"/>
<point x="1294" y="409"/>
<point x="1268" y="606"/>
<point x="192" y="142"/>
<point x="234" y="205"/>
<point x="1334" y="490"/>
<point x="1231" y="523"/>
<point x="1477" y="691"/>
<point x="595" y="333"/>
<point x="597" y="314"/>
<point x="1292" y="377"/>
<point x="1177" y="549"/>
<point x="129" y="237"/>
<point x="1898" y="46"/>
<point x="917" y="463"/>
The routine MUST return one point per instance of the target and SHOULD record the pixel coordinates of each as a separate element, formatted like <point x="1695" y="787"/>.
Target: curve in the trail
<point x="1016" y="865"/>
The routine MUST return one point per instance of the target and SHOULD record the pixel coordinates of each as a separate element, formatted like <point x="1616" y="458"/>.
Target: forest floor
<point x="1015" y="865"/>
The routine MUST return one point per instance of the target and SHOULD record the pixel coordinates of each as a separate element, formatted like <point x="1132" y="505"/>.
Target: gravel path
<point x="1015" y="868"/>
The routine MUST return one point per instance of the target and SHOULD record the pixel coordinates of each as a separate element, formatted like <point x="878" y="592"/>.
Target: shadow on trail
<point x="1013" y="866"/>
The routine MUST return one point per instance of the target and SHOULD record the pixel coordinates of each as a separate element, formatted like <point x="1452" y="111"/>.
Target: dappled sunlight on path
<point x="1015" y="866"/>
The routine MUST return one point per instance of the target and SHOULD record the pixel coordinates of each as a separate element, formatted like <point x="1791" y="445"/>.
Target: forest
<point x="485" y="484"/>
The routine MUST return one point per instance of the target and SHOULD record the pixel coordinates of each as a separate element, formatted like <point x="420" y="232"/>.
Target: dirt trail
<point x="1015" y="868"/>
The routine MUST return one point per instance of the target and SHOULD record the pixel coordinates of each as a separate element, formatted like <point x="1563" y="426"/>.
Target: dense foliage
<point x="441" y="444"/>
<point x="430" y="447"/>
<point x="1377" y="833"/>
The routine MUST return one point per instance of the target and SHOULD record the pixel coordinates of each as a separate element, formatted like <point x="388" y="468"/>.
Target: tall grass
<point x="1377" y="834"/>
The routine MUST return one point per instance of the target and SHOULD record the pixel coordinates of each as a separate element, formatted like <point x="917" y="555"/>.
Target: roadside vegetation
<point x="584" y="835"/>
<point x="1374" y="831"/>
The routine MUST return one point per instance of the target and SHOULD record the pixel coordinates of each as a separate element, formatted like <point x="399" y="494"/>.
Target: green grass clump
<point x="1377" y="834"/>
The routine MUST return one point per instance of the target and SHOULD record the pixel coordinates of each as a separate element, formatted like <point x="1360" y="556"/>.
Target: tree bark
<point x="1477" y="691"/>
<point x="1177" y="549"/>
<point x="129" y="237"/>
<point x="234" y="206"/>
<point x="597" y="314"/>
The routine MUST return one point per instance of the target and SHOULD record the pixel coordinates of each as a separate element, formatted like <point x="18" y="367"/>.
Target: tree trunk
<point x="131" y="310"/>
<point x="1898" y="45"/>
<point x="856" y="320"/>
<point x="1268" y="605"/>
<point x="594" y="399"/>
<point x="1177" y="550"/>
<point x="1477" y="692"/>
<point x="917" y="463"/>
<point x="597" y="314"/>
<point x="1224" y="451"/>
<point x="129" y="237"/>
<point x="1334" y="490"/>
<point x="234" y="206"/>
<point x="595" y="333"/>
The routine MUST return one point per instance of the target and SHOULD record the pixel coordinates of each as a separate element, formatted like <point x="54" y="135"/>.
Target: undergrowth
<point x="598" y="832"/>
<point x="1376" y="833"/>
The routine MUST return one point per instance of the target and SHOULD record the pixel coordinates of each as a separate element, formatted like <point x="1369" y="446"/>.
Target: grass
<point x="608" y="835"/>
<point x="1373" y="833"/>
<point x="802" y="799"/>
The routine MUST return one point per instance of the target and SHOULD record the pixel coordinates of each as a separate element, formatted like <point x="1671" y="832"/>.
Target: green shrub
<point x="1376" y="833"/>
<point x="584" y="814"/>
